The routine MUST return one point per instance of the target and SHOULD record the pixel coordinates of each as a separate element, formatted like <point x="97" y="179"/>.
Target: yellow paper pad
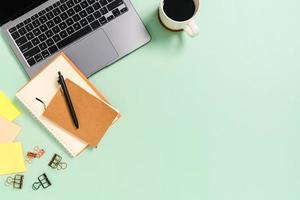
<point x="11" y="158"/>
<point x="7" y="109"/>
<point x="8" y="130"/>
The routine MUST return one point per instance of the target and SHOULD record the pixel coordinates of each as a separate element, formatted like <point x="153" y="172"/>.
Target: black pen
<point x="61" y="81"/>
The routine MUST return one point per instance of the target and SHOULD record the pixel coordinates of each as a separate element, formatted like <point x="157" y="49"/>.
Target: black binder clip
<point x="16" y="181"/>
<point x="42" y="181"/>
<point x="56" y="162"/>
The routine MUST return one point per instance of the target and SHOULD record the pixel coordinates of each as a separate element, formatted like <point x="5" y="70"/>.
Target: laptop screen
<point x="12" y="9"/>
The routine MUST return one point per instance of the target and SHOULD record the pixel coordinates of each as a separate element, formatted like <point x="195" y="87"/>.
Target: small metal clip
<point x="56" y="163"/>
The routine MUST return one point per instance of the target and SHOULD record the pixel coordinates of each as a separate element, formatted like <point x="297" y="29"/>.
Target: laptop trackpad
<point x="92" y="53"/>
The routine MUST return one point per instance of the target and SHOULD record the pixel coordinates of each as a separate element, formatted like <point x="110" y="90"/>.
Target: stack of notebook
<point x="11" y="152"/>
<point x="44" y="98"/>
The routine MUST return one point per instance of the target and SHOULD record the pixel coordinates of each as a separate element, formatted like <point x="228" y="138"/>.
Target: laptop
<point x="92" y="33"/>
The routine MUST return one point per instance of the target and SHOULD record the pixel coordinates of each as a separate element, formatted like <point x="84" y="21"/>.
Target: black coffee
<point x="179" y="10"/>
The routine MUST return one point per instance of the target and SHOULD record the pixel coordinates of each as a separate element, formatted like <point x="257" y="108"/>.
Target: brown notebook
<point x="94" y="116"/>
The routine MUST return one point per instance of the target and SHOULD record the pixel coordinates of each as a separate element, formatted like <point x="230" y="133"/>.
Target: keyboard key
<point x="96" y="6"/>
<point x="116" y="12"/>
<point x="36" y="23"/>
<point x="63" y="34"/>
<point x="74" y="37"/>
<point x="56" y="38"/>
<point x="103" y="10"/>
<point x="43" y="19"/>
<point x="57" y="20"/>
<point x="41" y="12"/>
<point x="35" y="41"/>
<point x="29" y="36"/>
<point x="77" y="8"/>
<point x="49" y="33"/>
<point x="63" y="8"/>
<point x="22" y="40"/>
<point x="31" y="52"/>
<point x="103" y="2"/>
<point x="83" y="14"/>
<point x="56" y="4"/>
<point x="111" y="17"/>
<point x="95" y="25"/>
<point x="103" y="20"/>
<point x="70" y="30"/>
<point x="90" y="18"/>
<point x="49" y="42"/>
<point x="70" y="3"/>
<point x="22" y="31"/>
<point x="29" y="27"/>
<point x="31" y="61"/>
<point x="25" y="47"/>
<point x="45" y="54"/>
<point x="76" y="18"/>
<point x="91" y="1"/>
<point x="15" y="35"/>
<point x="76" y="26"/>
<point x="27" y="21"/>
<point x="84" y="4"/>
<point x="83" y="22"/>
<point x="42" y="37"/>
<point x="33" y="17"/>
<point x="114" y="4"/>
<point x="56" y="11"/>
<point x="69" y="21"/>
<point x="50" y="24"/>
<point x="71" y="12"/>
<point x="13" y="29"/>
<point x="20" y="25"/>
<point x="38" y="57"/>
<point x="89" y="9"/>
<point x="55" y="29"/>
<point x="63" y="16"/>
<point x="43" y="46"/>
<point x="36" y="31"/>
<point x="77" y="1"/>
<point x="124" y="10"/>
<point x="52" y="49"/>
<point x="49" y="8"/>
<point x="49" y="15"/>
<point x="43" y="28"/>
<point x="97" y="15"/>
<point x="62" y="25"/>
<point x="63" y="1"/>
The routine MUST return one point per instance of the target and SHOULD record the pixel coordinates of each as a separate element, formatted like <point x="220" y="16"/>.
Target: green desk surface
<point x="210" y="118"/>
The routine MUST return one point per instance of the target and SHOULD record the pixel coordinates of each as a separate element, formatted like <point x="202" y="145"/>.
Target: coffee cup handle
<point x="192" y="29"/>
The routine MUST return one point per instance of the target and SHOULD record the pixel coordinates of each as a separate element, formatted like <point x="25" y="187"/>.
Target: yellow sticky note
<point x="11" y="158"/>
<point x="7" y="109"/>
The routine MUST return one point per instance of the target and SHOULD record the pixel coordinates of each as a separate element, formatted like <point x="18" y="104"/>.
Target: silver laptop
<point x="92" y="33"/>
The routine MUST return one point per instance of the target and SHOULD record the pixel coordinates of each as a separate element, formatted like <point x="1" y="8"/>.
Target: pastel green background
<point x="210" y="118"/>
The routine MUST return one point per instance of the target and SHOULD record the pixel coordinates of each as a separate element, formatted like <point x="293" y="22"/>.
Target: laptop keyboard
<point x="62" y="23"/>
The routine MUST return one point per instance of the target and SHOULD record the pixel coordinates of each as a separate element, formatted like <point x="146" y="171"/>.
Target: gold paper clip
<point x="37" y="153"/>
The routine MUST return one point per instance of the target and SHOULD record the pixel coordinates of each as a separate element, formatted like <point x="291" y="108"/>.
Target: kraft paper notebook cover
<point x="8" y="130"/>
<point x="94" y="116"/>
<point x="44" y="86"/>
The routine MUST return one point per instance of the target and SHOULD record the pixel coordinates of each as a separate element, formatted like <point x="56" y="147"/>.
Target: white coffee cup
<point x="189" y="26"/>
